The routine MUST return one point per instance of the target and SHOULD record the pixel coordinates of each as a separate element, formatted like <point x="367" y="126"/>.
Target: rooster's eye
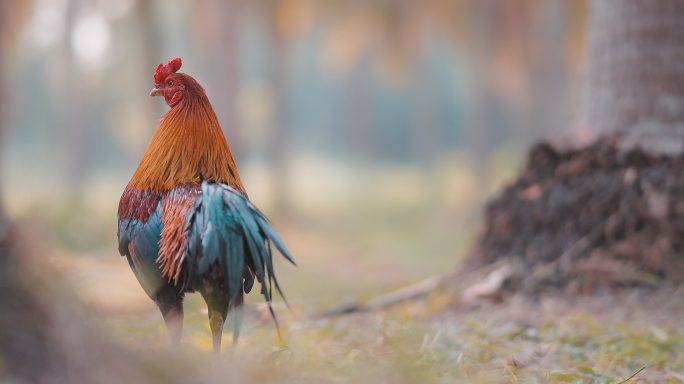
<point x="170" y="83"/>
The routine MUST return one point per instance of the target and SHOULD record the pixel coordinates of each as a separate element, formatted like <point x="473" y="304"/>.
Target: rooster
<point x="185" y="222"/>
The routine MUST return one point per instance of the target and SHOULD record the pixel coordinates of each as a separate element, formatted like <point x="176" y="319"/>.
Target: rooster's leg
<point x="238" y="312"/>
<point x="173" y="317"/>
<point x="216" y="320"/>
<point x="170" y="303"/>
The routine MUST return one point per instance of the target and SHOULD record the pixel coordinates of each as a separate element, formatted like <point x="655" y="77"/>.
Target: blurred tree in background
<point x="607" y="214"/>
<point x="398" y="107"/>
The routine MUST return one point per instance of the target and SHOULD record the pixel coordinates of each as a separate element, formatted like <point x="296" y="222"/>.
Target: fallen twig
<point x="469" y="284"/>
<point x="411" y="292"/>
<point x="633" y="375"/>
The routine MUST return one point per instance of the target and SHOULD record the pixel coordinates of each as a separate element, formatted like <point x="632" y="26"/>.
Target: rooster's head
<point x="168" y="83"/>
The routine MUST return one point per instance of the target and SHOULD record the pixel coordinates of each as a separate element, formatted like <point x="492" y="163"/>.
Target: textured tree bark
<point x="635" y="73"/>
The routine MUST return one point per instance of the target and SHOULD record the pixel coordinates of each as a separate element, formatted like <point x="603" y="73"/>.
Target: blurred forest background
<point x="372" y="133"/>
<point x="375" y="130"/>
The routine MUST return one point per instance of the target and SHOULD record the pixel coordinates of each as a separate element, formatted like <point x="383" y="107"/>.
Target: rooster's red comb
<point x="164" y="70"/>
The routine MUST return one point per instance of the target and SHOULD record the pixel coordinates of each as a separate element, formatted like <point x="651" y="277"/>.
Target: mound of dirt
<point x="590" y="218"/>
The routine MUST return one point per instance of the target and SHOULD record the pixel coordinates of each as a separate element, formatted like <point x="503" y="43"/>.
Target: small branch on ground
<point x="469" y="285"/>
<point x="411" y="292"/>
<point x="633" y="375"/>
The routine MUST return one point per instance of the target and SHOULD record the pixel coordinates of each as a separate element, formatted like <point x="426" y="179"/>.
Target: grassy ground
<point x="580" y="341"/>
<point x="600" y="339"/>
<point x="586" y="340"/>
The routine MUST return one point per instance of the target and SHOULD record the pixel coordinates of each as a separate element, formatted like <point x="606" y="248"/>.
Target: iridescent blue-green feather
<point x="143" y="238"/>
<point x="226" y="228"/>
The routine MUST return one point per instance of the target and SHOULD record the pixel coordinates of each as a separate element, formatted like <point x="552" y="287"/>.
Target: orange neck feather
<point x="187" y="147"/>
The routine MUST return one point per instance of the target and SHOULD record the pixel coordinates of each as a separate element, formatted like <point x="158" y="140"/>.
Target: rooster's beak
<point x="155" y="92"/>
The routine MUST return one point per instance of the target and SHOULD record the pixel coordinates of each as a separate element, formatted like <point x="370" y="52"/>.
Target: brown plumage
<point x="174" y="236"/>
<point x="187" y="147"/>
